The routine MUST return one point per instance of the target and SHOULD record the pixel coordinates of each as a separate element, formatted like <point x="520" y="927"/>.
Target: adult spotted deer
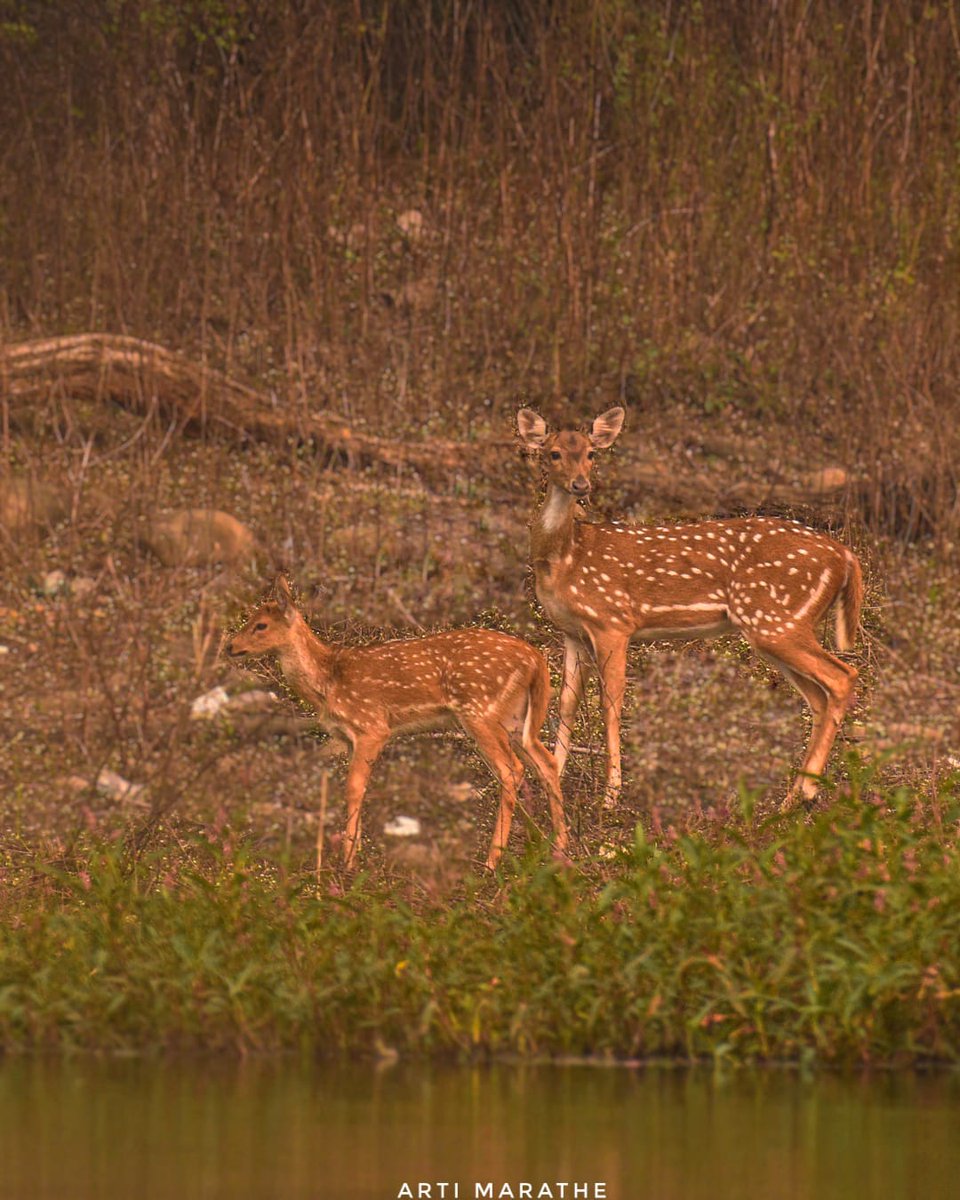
<point x="770" y="580"/>
<point x="494" y="686"/>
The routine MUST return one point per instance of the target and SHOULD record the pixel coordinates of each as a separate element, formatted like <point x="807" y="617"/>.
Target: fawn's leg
<point x="494" y="745"/>
<point x="366" y="751"/>
<point x="535" y="752"/>
<point x="545" y="765"/>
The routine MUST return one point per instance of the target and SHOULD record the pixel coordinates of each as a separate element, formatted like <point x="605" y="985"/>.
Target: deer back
<point x="758" y="573"/>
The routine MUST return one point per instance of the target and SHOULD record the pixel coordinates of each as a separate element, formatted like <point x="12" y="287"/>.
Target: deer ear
<point x="606" y="428"/>
<point x="282" y="590"/>
<point x="533" y="428"/>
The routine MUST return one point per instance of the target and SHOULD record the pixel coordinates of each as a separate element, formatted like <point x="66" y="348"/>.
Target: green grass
<point x="833" y="940"/>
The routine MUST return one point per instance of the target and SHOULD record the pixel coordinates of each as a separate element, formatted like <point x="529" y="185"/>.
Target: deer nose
<point x="580" y="486"/>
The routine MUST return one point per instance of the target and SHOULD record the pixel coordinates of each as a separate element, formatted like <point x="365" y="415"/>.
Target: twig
<point x="321" y="823"/>
<point x="402" y="609"/>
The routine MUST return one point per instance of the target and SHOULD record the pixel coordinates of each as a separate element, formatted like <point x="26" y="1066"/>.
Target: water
<point x="281" y="1130"/>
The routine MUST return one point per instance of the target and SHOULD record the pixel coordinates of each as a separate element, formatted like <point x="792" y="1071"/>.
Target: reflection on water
<point x="282" y="1130"/>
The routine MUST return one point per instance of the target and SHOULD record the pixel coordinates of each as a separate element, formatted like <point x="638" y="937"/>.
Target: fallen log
<point x="142" y="377"/>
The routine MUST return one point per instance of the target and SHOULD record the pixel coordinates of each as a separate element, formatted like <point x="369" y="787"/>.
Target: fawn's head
<point x="567" y="455"/>
<point x="269" y="629"/>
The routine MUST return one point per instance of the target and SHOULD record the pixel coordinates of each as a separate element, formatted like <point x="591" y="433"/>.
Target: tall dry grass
<point x="737" y="205"/>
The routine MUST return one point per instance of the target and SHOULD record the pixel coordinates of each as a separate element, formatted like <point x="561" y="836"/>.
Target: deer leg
<point x="827" y="685"/>
<point x="494" y="745"/>
<point x="365" y="753"/>
<point x="545" y="766"/>
<point x="611" y="656"/>
<point x="538" y="756"/>
<point x="816" y="699"/>
<point x="571" y="692"/>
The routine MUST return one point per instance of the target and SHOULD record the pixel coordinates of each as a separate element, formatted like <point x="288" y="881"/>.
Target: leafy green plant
<point x="831" y="940"/>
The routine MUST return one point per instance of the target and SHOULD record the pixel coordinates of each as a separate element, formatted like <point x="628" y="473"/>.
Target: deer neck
<point x="552" y="531"/>
<point x="305" y="662"/>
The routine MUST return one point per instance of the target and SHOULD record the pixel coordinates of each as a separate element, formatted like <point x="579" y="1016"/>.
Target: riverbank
<point x="831" y="939"/>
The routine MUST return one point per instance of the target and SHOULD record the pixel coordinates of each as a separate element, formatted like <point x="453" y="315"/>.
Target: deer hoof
<point x="611" y="797"/>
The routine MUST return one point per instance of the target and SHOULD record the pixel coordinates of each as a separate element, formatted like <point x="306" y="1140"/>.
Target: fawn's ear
<point x="606" y="428"/>
<point x="533" y="428"/>
<point x="282" y="589"/>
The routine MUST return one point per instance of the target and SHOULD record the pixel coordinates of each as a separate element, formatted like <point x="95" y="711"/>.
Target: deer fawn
<point x="771" y="580"/>
<point x="494" y="686"/>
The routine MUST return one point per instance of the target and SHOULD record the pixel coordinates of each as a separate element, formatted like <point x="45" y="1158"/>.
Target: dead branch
<point x="139" y="376"/>
<point x="143" y="377"/>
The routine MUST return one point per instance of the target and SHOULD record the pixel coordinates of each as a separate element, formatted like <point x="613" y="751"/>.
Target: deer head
<point x="567" y="456"/>
<point x="270" y="627"/>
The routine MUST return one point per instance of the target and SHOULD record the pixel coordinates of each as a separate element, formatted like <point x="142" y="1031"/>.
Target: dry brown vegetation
<point x="741" y="221"/>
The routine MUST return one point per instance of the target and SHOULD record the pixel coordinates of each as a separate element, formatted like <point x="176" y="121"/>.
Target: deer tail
<point x="851" y="601"/>
<point x="538" y="700"/>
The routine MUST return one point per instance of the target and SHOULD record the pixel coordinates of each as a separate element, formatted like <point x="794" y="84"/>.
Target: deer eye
<point x="259" y="625"/>
<point x="555" y="455"/>
<point x="590" y="454"/>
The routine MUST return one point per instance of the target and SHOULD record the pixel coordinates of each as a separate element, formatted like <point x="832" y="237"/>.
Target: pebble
<point x="402" y="827"/>
<point x="82" y="586"/>
<point x="109" y="783"/>
<point x="411" y="223"/>
<point x="209" y="705"/>
<point x="198" y="537"/>
<point x="54" y="583"/>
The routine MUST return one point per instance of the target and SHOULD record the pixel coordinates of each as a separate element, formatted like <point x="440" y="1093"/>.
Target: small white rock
<point x="402" y="827"/>
<point x="54" y="582"/>
<point x="209" y="705"/>
<point x="82" y="585"/>
<point x="411" y="223"/>
<point x="255" y="701"/>
<point x="108" y="783"/>
<point x="217" y="701"/>
<point x="827" y="479"/>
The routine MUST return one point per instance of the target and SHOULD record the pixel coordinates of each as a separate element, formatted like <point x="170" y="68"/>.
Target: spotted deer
<point x="768" y="579"/>
<point x="494" y="686"/>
